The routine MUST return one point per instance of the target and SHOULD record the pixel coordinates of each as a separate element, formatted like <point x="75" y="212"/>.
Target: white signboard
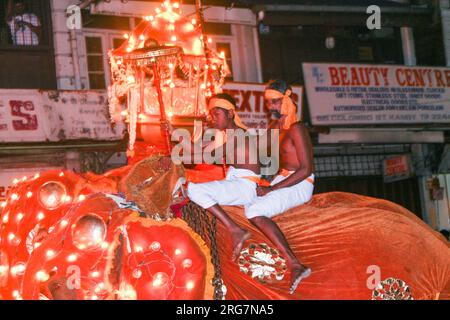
<point x="250" y="101"/>
<point x="342" y="94"/>
<point x="32" y="115"/>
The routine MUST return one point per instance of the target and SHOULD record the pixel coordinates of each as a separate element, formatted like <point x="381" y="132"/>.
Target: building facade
<point x="272" y="39"/>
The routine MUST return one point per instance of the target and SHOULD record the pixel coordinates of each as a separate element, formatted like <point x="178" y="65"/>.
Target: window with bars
<point x="24" y="23"/>
<point x="95" y="62"/>
<point x="351" y="165"/>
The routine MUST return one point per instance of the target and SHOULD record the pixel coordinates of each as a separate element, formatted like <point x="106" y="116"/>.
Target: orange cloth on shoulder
<point x="288" y="108"/>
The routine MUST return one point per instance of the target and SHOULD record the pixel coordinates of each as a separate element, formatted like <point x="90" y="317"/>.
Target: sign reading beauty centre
<point x="341" y="94"/>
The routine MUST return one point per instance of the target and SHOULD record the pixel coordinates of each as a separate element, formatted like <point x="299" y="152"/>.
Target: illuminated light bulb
<point x="99" y="287"/>
<point x="29" y="194"/>
<point x="151" y="18"/>
<point x="15" y="293"/>
<point x="37" y="245"/>
<point x="3" y="204"/>
<point x="176" y="5"/>
<point x="64" y="223"/>
<point x="172" y="85"/>
<point x="124" y="113"/>
<point x="187" y="263"/>
<point x="126" y="35"/>
<point x="194" y="21"/>
<point x="119" y="62"/>
<point x="50" y="230"/>
<point x="214" y="67"/>
<point x="105" y="245"/>
<point x="95" y="274"/>
<point x="170" y="114"/>
<point x="94" y="297"/>
<point x="171" y="26"/>
<point x="11" y="236"/>
<point x="72" y="258"/>
<point x="206" y="67"/>
<point x="137" y="273"/>
<point x="201" y="37"/>
<point x="210" y="40"/>
<point x="222" y="54"/>
<point x="147" y="18"/>
<point x="158" y="10"/>
<point x="6" y="218"/>
<point x="171" y="65"/>
<point x="18" y="269"/>
<point x="155" y="246"/>
<point x="129" y="49"/>
<point x="173" y="38"/>
<point x="160" y="279"/>
<point x="142" y="37"/>
<point x="190" y="285"/>
<point x="16" y="181"/>
<point x="131" y="79"/>
<point x="24" y="179"/>
<point x="50" y="253"/>
<point x="40" y="216"/>
<point x="138" y="249"/>
<point x="14" y="196"/>
<point x="177" y="252"/>
<point x="203" y="86"/>
<point x="36" y="176"/>
<point x="81" y="197"/>
<point x="61" y="174"/>
<point x="20" y="216"/>
<point x="67" y="198"/>
<point x="42" y="276"/>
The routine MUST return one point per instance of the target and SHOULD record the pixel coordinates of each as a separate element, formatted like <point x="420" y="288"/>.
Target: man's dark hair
<point x="279" y="85"/>
<point x="225" y="96"/>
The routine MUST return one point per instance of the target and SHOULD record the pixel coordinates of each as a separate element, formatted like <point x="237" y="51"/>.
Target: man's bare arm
<point x="303" y="147"/>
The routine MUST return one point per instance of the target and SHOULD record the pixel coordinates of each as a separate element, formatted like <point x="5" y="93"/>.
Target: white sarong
<point x="281" y="200"/>
<point x="235" y="190"/>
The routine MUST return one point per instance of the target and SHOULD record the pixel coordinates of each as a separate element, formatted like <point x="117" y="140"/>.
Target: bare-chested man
<point x="294" y="184"/>
<point x="240" y="188"/>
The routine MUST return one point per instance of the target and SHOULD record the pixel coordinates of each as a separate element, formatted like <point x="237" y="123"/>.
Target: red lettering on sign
<point x="258" y="95"/>
<point x="439" y="81"/>
<point x="334" y="76"/>
<point x="447" y="77"/>
<point x="30" y="122"/>
<point x="245" y="106"/>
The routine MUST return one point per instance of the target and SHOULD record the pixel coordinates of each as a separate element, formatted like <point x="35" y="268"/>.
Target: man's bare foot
<point x="238" y="241"/>
<point x="298" y="273"/>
